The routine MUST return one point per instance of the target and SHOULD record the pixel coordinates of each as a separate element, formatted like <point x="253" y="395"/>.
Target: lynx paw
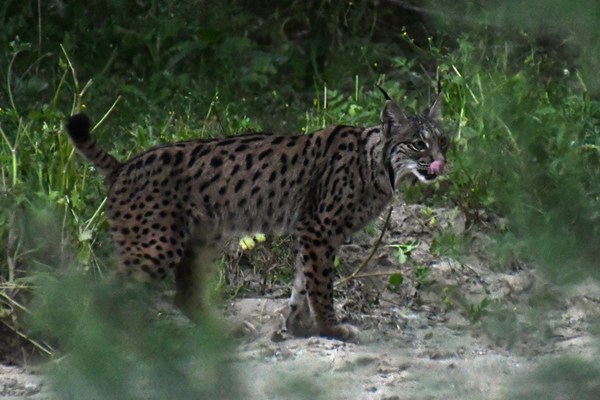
<point x="300" y="323"/>
<point x="344" y="332"/>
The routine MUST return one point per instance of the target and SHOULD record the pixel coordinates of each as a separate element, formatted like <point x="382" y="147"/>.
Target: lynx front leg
<point x="300" y="322"/>
<point x="315" y="282"/>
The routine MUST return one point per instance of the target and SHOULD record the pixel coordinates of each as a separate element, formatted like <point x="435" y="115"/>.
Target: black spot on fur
<point x="165" y="158"/>
<point x="216" y="162"/>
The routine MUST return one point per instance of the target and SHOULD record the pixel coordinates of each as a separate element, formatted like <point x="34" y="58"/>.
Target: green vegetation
<point x="404" y="250"/>
<point x="116" y="346"/>
<point x="522" y="98"/>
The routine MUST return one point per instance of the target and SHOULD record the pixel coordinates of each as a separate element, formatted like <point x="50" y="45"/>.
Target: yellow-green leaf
<point x="247" y="243"/>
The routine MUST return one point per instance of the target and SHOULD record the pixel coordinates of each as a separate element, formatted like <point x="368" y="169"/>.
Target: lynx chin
<point x="169" y="205"/>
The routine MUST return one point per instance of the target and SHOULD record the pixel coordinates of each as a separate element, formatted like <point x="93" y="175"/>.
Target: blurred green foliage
<point x="529" y="137"/>
<point x="118" y="346"/>
<point x="559" y="379"/>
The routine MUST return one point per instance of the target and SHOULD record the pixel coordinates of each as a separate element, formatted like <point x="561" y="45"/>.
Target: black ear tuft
<point x="385" y="94"/>
<point x="78" y="127"/>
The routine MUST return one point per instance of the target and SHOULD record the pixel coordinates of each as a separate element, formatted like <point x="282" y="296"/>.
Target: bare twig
<point x="355" y="274"/>
<point x="407" y="6"/>
<point x="373" y="274"/>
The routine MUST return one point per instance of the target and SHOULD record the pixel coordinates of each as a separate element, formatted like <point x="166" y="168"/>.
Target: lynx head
<point x="416" y="144"/>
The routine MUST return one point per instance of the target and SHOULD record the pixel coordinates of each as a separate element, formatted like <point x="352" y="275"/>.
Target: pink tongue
<point x="436" y="167"/>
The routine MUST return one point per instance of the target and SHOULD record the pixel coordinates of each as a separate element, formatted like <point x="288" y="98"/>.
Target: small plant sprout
<point x="477" y="311"/>
<point x="395" y="280"/>
<point x="337" y="262"/>
<point x="404" y="250"/>
<point x="423" y="275"/>
<point x="447" y="299"/>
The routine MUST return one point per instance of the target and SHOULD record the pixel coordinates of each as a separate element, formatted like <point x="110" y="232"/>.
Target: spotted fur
<point x="169" y="205"/>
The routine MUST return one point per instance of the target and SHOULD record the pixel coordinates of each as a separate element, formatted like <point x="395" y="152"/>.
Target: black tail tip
<point x="78" y="127"/>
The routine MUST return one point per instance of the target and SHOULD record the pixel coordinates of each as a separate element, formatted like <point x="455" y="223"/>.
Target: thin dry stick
<point x="375" y="274"/>
<point x="362" y="265"/>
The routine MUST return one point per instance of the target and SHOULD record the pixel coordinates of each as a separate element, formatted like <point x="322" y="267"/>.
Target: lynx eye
<point x="419" y="145"/>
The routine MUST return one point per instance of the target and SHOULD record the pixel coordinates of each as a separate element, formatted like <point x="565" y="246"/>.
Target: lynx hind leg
<point x="147" y="251"/>
<point x="145" y="262"/>
<point x="140" y="264"/>
<point x="191" y="277"/>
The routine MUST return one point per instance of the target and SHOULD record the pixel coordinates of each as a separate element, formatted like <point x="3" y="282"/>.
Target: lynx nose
<point x="436" y="167"/>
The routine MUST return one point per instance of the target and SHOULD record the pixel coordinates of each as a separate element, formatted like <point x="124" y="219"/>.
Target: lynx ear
<point x="392" y="115"/>
<point x="435" y="110"/>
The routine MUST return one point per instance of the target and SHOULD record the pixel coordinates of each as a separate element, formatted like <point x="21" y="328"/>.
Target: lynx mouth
<point x="413" y="175"/>
<point x="431" y="171"/>
<point x="413" y="172"/>
<point x="428" y="176"/>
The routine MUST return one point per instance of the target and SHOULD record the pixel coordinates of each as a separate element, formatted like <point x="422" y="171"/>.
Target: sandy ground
<point x="459" y="330"/>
